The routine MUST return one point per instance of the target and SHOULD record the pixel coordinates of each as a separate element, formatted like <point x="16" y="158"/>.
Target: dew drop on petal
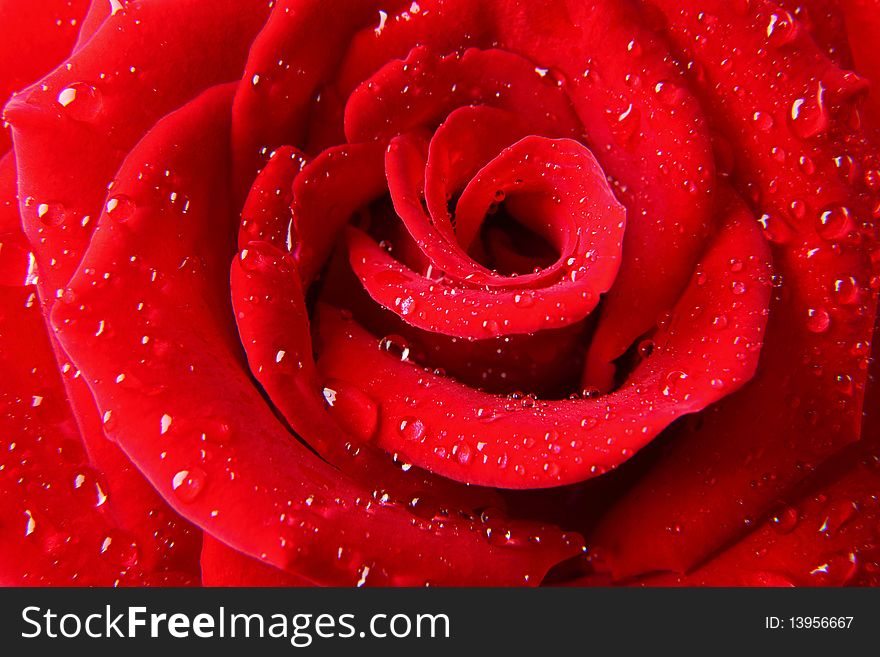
<point x="846" y="290"/>
<point x="763" y="121"/>
<point x="81" y="101"/>
<point x="818" y="320"/>
<point x="30" y="524"/>
<point x="188" y="484"/>
<point x="120" y="208"/>
<point x="412" y="429"/>
<point x="785" y="520"/>
<point x="834" y="223"/>
<point x="51" y="214"/>
<point x="782" y="29"/>
<point x="164" y="423"/>
<point x="395" y="346"/>
<point x="809" y="115"/>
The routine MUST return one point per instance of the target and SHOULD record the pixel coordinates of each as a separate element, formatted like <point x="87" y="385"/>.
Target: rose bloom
<point x="444" y="292"/>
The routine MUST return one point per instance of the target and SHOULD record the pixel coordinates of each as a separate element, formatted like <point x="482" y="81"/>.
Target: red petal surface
<point x="72" y="130"/>
<point x="223" y="566"/>
<point x="472" y="436"/>
<point x="14" y="248"/>
<point x="568" y="199"/>
<point x="64" y="523"/>
<point x="333" y="417"/>
<point x="806" y="401"/>
<point x="266" y="213"/>
<point x="301" y="43"/>
<point x="37" y="36"/>
<point x="326" y="194"/>
<point x="231" y="463"/>
<point x="863" y="24"/>
<point x="422" y="89"/>
<point x="649" y="135"/>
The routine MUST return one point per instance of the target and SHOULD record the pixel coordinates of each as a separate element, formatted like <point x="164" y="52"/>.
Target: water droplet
<point x="720" y="322"/>
<point x="835" y="222"/>
<point x="589" y="422"/>
<point x="785" y="520"/>
<point x="809" y="116"/>
<point x="872" y="179"/>
<point x="846" y="290"/>
<point x="120" y="208"/>
<point x="30" y="524"/>
<point x="51" y="214"/>
<point x="645" y="348"/>
<point x="669" y="383"/>
<point x="491" y="326"/>
<point x="669" y="93"/>
<point x="763" y="121"/>
<point x="87" y="486"/>
<point x="188" y="484"/>
<point x="818" y="320"/>
<point x="625" y="124"/>
<point x="844" y="383"/>
<point x="837" y="515"/>
<point x="407" y="306"/>
<point x="775" y="229"/>
<point x="253" y="260"/>
<point x="837" y="569"/>
<point x="164" y="424"/>
<point x="798" y="209"/>
<point x="120" y="548"/>
<point x="395" y="346"/>
<point x="498" y="536"/>
<point x="412" y="429"/>
<point x="218" y="432"/>
<point x="524" y="299"/>
<point x="81" y="101"/>
<point x="805" y="162"/>
<point x="782" y="29"/>
<point x="354" y="409"/>
<point x="738" y="287"/>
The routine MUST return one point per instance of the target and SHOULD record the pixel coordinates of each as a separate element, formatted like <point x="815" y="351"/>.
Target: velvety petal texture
<point x="300" y="293"/>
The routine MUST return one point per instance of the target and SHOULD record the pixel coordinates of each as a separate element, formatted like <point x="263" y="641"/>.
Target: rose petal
<point x="14" y="248"/>
<point x="37" y="36"/>
<point x="326" y="194"/>
<point x="422" y="89"/>
<point x="61" y="520"/>
<point x="862" y="24"/>
<point x="73" y="129"/>
<point x="828" y="537"/>
<point x="649" y="135"/>
<point x="579" y="209"/>
<point x="397" y="27"/>
<point x="806" y="403"/>
<point x="223" y="566"/>
<point x="335" y="418"/>
<point x="300" y="514"/>
<point x="266" y="213"/>
<point x="485" y="439"/>
<point x="289" y="59"/>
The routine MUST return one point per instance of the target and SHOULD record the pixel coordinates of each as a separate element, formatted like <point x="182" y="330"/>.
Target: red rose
<point x="439" y="292"/>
